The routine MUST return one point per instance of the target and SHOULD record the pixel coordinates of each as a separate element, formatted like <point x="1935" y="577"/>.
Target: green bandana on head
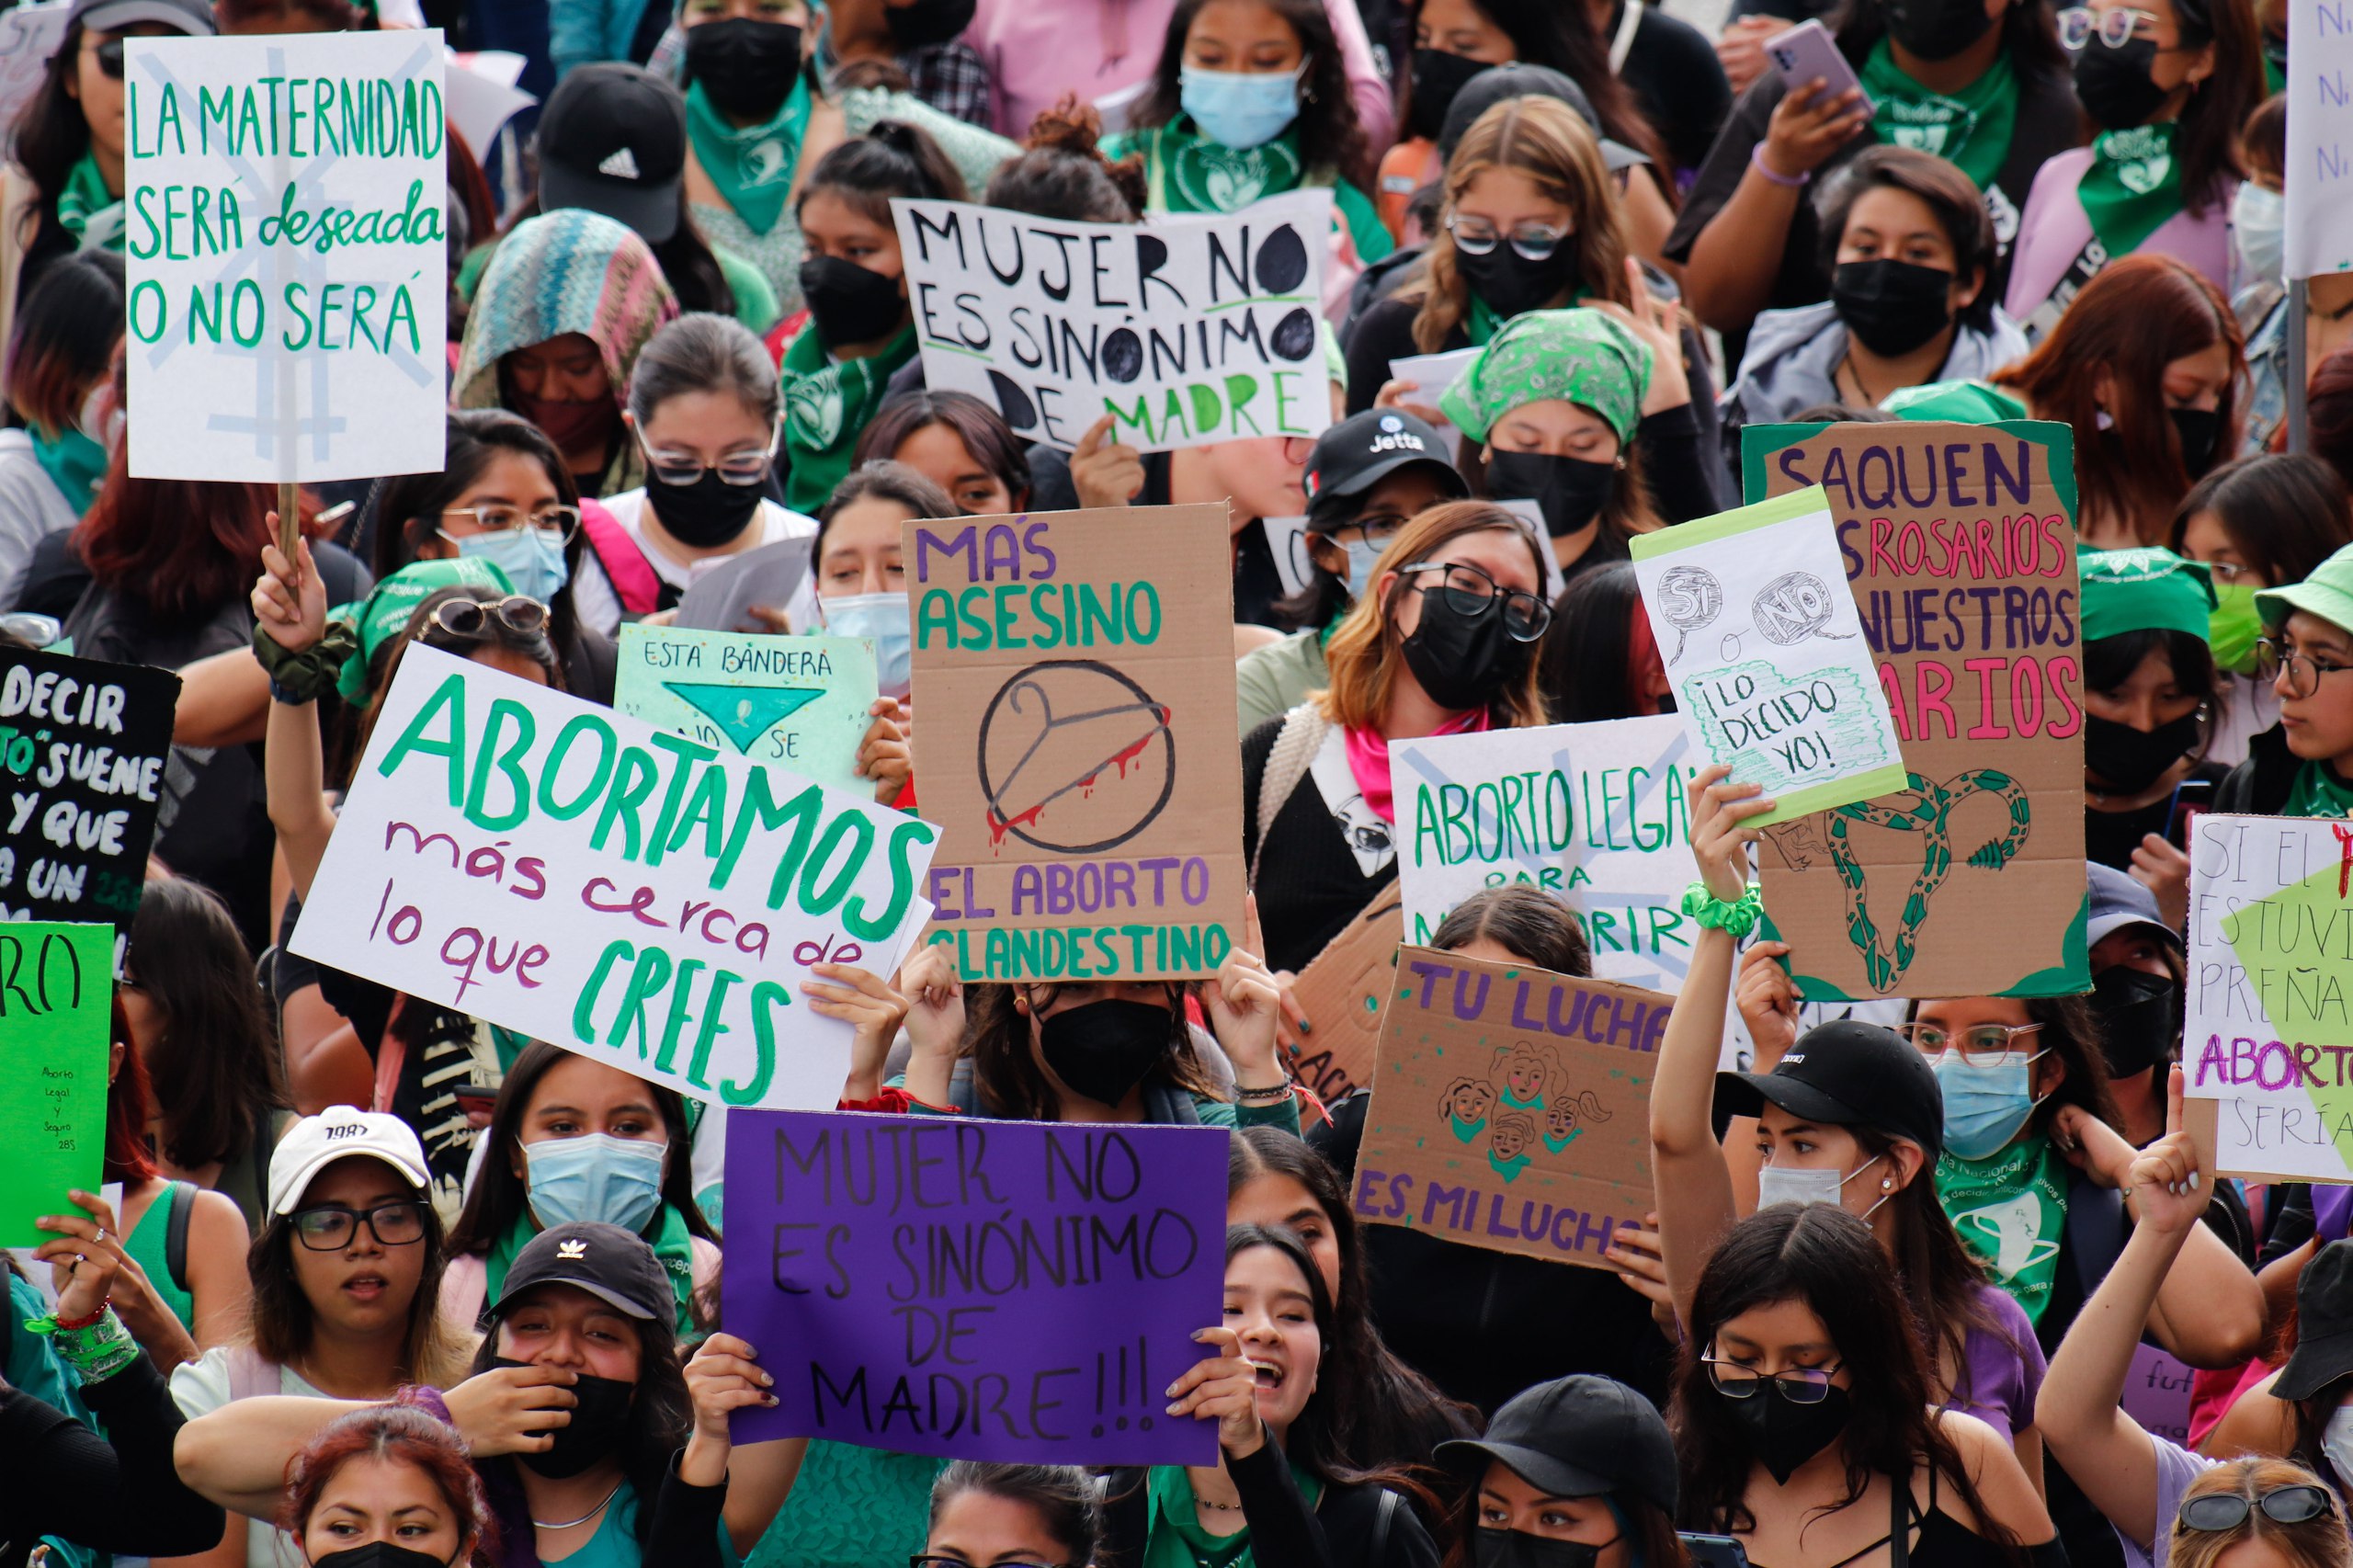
<point x="2144" y="590"/>
<point x="384" y="614"/>
<point x="2132" y="186"/>
<point x="1580" y="356"/>
<point x="2009" y="1211"/>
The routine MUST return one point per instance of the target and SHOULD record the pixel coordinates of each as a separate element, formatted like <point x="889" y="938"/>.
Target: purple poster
<point x="1009" y="1291"/>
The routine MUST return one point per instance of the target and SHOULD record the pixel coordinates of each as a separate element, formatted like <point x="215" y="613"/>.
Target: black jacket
<point x="2260" y="785"/>
<point x="1351" y="1527"/>
<point x="121" y="1495"/>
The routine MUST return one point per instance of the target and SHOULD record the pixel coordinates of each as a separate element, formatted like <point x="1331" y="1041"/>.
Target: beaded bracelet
<point x="1739" y="917"/>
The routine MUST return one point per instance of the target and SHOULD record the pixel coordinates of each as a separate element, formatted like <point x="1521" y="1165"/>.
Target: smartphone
<point x="1806" y="52"/>
<point x="2191" y="798"/>
<point x="1715" y="1550"/>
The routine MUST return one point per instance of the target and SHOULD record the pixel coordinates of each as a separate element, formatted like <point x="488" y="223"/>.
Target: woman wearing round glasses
<point x="2304" y="768"/>
<point x="1806" y="1423"/>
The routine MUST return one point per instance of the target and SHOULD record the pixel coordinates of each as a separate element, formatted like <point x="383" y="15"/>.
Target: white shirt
<point x="598" y="606"/>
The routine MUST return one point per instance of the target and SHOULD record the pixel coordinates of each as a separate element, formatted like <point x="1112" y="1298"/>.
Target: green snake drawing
<point x="1931" y="819"/>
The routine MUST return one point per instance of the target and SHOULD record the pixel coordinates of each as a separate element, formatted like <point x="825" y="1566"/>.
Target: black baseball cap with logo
<point x="614" y="1266"/>
<point x="1365" y="448"/>
<point x="1575" y="1436"/>
<point x="1844" y="1074"/>
<point x="613" y="141"/>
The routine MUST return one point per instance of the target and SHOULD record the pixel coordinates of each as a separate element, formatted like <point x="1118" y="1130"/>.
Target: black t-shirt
<point x="1677" y="80"/>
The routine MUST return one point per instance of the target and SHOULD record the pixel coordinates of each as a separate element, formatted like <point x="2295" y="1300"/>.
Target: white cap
<point x="313" y="1143"/>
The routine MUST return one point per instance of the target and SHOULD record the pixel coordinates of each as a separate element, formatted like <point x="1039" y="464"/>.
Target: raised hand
<point x="1105" y="472"/>
<point x="859" y="998"/>
<point x="1246" y="1006"/>
<point x="1718" y="841"/>
<point x="1223" y="1387"/>
<point x="2166" y="1188"/>
<point x="288" y="600"/>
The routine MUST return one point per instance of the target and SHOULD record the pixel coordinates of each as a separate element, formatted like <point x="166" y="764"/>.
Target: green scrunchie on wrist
<point x="1739" y="918"/>
<point x="311" y="674"/>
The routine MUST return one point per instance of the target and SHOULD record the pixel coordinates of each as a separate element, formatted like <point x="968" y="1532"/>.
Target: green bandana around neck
<point x="73" y="462"/>
<point x="751" y="165"/>
<point x="2009" y="1211"/>
<point x="2132" y="186"/>
<point x="673" y="1248"/>
<point x="1970" y="127"/>
<point x="2318" y="792"/>
<point x="86" y="209"/>
<point x="827" y="402"/>
<point x="1192" y="174"/>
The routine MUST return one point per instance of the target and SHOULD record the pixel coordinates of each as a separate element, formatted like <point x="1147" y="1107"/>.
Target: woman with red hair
<point x="2148" y="366"/>
<point x="393" y="1483"/>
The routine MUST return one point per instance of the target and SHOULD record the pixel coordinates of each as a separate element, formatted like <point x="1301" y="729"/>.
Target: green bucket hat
<point x="2144" y="590"/>
<point x="2328" y="592"/>
<point x="383" y="614"/>
<point x="1580" y="356"/>
<point x="1958" y="403"/>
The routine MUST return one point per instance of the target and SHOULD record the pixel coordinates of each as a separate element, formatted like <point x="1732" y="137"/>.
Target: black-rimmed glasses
<point x="331" y="1227"/>
<point x="1472" y="593"/>
<point x="1798" y="1385"/>
<point x="2304" y="672"/>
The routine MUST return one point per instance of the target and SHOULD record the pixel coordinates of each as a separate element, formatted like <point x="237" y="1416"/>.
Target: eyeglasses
<point x="471" y="619"/>
<point x="1472" y="593"/>
<point x="554" y="525"/>
<point x="2272" y="656"/>
<point x="1476" y="236"/>
<point x="1798" y="1385"/>
<point x="1981" y="1045"/>
<point x="109" y="56"/>
<point x="2227" y="571"/>
<point x="747" y="466"/>
<point x="2078" y="25"/>
<point x="2281" y="1505"/>
<point x="331" y="1227"/>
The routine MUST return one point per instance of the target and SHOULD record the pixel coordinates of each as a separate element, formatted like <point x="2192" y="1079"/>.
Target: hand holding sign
<point x="1105" y="472"/>
<point x="86" y="1257"/>
<point x="1718" y="841"/>
<point x="861" y="1000"/>
<point x="290" y="601"/>
<point x="2164" y="1185"/>
<point x="1767" y="1000"/>
<point x="1244" y="1005"/>
<point x="1223" y="1387"/>
<point x="723" y="1377"/>
<point x="883" y="755"/>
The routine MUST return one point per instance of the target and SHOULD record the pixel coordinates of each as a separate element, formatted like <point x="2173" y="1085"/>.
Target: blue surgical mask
<point x="1364" y="555"/>
<point x="1985" y="1105"/>
<point x="2259" y="224"/>
<point x="881" y="620"/>
<point x="1240" y="108"/>
<point x="535" y="567"/>
<point x="617" y="1180"/>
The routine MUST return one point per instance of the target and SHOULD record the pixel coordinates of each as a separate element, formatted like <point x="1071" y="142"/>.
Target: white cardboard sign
<point x="2320" y="138"/>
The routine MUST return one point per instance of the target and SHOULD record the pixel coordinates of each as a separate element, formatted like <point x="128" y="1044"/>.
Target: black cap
<point x="1845" y="1074"/>
<point x="617" y="1267"/>
<point x="1518" y="80"/>
<point x="193" y="17"/>
<point x="613" y="141"/>
<point x="1361" y="450"/>
<point x="2324" y="1324"/>
<point x="1577" y="1437"/>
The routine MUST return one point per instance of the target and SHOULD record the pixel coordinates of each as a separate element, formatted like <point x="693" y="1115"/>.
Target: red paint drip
<point x="999" y="826"/>
<point x="1136" y="750"/>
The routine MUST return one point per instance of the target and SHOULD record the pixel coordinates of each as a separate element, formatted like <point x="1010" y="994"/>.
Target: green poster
<point x="800" y="704"/>
<point x="56" y="997"/>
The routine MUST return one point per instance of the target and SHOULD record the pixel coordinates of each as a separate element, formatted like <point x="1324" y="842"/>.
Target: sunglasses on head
<point x="2281" y="1506"/>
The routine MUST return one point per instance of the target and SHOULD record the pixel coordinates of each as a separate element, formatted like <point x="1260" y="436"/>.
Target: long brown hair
<point x="1550" y="143"/>
<point x="180" y="548"/>
<point x="1006" y="1072"/>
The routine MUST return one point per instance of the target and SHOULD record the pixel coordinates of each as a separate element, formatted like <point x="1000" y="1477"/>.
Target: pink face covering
<point x="1368" y="759"/>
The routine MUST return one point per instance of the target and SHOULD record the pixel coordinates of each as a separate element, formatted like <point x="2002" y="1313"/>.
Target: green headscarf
<point x="1579" y="355"/>
<point x="384" y="614"/>
<point x="2144" y="590"/>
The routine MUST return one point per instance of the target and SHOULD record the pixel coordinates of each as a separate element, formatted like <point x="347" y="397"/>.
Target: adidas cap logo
<point x="571" y="1251"/>
<point x="621" y="165"/>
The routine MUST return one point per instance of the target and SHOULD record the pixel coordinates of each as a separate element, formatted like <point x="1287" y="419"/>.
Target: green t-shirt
<point x="1175" y="1539"/>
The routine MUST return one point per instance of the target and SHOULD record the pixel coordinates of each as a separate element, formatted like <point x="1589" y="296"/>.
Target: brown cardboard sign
<point x="1959" y="547"/>
<point x="1511" y="1108"/>
<point x="1342" y="992"/>
<point x="1074" y="694"/>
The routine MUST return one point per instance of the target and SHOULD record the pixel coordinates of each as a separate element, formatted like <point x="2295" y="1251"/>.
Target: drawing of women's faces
<point x="1525" y="1069"/>
<point x="1466" y="1103"/>
<point x="1507" y="1144"/>
<point x="1560" y="1125"/>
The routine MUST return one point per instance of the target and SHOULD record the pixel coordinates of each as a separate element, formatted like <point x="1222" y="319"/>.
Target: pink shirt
<point x="2054" y="230"/>
<point x="1038" y="50"/>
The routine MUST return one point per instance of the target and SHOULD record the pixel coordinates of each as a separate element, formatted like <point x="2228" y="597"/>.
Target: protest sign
<point x="1593" y="813"/>
<point x="1765" y="653"/>
<point x="1019" y="1291"/>
<point x="30" y="35"/>
<point x="1075" y="672"/>
<point x="799" y="704"/>
<point x="1185" y="330"/>
<point x="580" y="875"/>
<point x="84" y="749"/>
<point x="283" y="236"/>
<point x="2319" y="167"/>
<point x="2157" y="1392"/>
<point x="1341" y="993"/>
<point x="1966" y="876"/>
<point x="1511" y="1108"/>
<point x="56" y="1006"/>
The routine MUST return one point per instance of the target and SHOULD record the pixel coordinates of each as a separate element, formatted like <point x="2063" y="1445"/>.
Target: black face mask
<point x="599" y="1423"/>
<point x="927" y="22"/>
<point x="1517" y="1549"/>
<point x="2131" y="759"/>
<point x="746" y="67"/>
<point x="1512" y="284"/>
<point x="1783" y="1435"/>
<point x="1462" y="660"/>
<point x="2197" y="429"/>
<point x="849" y="302"/>
<point x="1891" y="306"/>
<point x="706" y="514"/>
<point x="379" y="1554"/>
<point x="1105" y="1049"/>
<point x="1437" y="77"/>
<point x="1571" y="490"/>
<point x="2113" y="84"/>
<point x="2136" y="1010"/>
<point x="1936" y="29"/>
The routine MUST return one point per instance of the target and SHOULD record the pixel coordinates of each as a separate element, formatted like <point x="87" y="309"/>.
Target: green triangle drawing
<point x="744" y="714"/>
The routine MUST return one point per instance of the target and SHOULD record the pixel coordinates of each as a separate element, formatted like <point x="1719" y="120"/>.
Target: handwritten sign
<point x="1342" y="992"/>
<point x="2157" y="1393"/>
<point x="2319" y="166"/>
<point x="1019" y="1291"/>
<point x="799" y="704"/>
<point x="1593" y="813"/>
<point x="1966" y="876"/>
<point x="1511" y="1108"/>
<point x="284" y="240"/>
<point x="56" y="997"/>
<point x="1765" y="653"/>
<point x="1075" y="672"/>
<point x="581" y="876"/>
<point x="1185" y="330"/>
<point x="83" y="748"/>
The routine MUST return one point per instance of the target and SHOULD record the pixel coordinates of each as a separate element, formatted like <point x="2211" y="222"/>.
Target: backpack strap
<point x="1385" y="1515"/>
<point x="181" y="1195"/>
<point x="1294" y="753"/>
<point x="625" y="566"/>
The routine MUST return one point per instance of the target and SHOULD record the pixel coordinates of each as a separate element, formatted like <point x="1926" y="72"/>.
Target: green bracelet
<point x="96" y="1351"/>
<point x="1739" y="918"/>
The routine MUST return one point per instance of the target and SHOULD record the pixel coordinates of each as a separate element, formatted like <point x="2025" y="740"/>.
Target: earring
<point x="1887" y="1183"/>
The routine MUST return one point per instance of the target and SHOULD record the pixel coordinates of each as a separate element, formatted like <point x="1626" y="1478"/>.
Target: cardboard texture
<point x="1074" y="675"/>
<point x="1342" y="992"/>
<point x="56" y="1002"/>
<point x="797" y="705"/>
<point x="1511" y="1108"/>
<point x="1960" y="546"/>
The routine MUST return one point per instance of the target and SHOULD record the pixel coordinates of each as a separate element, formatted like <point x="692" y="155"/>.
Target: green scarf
<point x="673" y="1246"/>
<point x="827" y="402"/>
<point x="2009" y="1211"/>
<point x="2132" y="187"/>
<point x="1192" y="174"/>
<point x="2318" y="792"/>
<point x="1175" y="1537"/>
<point x="751" y="165"/>
<point x="86" y="209"/>
<point x="1970" y="127"/>
<point x="73" y="462"/>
